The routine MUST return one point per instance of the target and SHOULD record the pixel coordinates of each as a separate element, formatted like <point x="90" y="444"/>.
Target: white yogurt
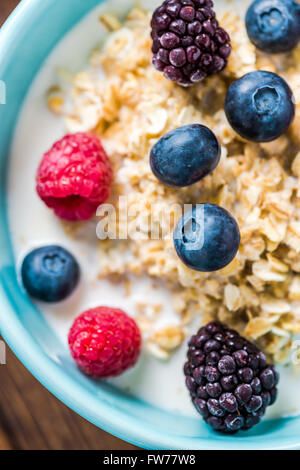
<point x="33" y="225"/>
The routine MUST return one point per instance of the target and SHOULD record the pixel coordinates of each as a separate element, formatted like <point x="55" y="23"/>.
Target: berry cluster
<point x="188" y="44"/>
<point x="229" y="380"/>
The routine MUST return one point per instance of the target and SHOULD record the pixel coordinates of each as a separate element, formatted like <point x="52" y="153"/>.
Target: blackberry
<point x="188" y="43"/>
<point x="230" y="383"/>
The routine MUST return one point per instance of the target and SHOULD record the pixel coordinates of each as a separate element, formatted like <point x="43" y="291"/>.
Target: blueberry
<point x="185" y="155"/>
<point x="274" y="25"/>
<point x="260" y="106"/>
<point x="50" y="273"/>
<point x="207" y="238"/>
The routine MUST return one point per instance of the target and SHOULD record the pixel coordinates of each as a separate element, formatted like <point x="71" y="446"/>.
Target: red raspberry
<point x="74" y="177"/>
<point x="104" y="342"/>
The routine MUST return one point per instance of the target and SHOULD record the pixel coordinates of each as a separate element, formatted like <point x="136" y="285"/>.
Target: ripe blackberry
<point x="228" y="378"/>
<point x="188" y="44"/>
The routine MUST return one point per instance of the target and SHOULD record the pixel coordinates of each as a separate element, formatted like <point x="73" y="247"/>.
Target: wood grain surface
<point x="30" y="417"/>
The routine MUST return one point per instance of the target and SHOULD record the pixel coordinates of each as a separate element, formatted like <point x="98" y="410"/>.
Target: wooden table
<point x="30" y="417"/>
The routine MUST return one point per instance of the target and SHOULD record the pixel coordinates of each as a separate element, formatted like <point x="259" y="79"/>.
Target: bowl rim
<point x="66" y="388"/>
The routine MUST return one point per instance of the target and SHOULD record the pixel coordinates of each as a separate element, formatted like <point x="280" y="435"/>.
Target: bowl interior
<point x="25" y="41"/>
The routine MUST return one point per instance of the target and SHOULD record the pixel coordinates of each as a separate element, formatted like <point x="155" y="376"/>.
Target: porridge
<point x="121" y="98"/>
<point x="131" y="107"/>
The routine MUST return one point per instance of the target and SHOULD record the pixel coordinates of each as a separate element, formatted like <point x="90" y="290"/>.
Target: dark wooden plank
<point x="30" y="417"/>
<point x="6" y="6"/>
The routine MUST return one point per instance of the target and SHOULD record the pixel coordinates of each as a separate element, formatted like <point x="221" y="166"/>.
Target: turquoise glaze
<point x="25" y="40"/>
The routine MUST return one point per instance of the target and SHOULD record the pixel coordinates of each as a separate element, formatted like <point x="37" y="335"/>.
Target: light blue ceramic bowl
<point x="25" y="40"/>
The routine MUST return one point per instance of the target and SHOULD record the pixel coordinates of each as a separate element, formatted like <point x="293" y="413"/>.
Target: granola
<point x="130" y="106"/>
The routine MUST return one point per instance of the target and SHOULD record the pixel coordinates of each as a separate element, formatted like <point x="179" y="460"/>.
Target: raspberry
<point x="188" y="43"/>
<point x="74" y="177"/>
<point x="104" y="342"/>
<point x="228" y="378"/>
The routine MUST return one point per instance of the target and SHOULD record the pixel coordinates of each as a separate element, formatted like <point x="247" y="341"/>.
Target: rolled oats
<point x="169" y="338"/>
<point x="123" y="99"/>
